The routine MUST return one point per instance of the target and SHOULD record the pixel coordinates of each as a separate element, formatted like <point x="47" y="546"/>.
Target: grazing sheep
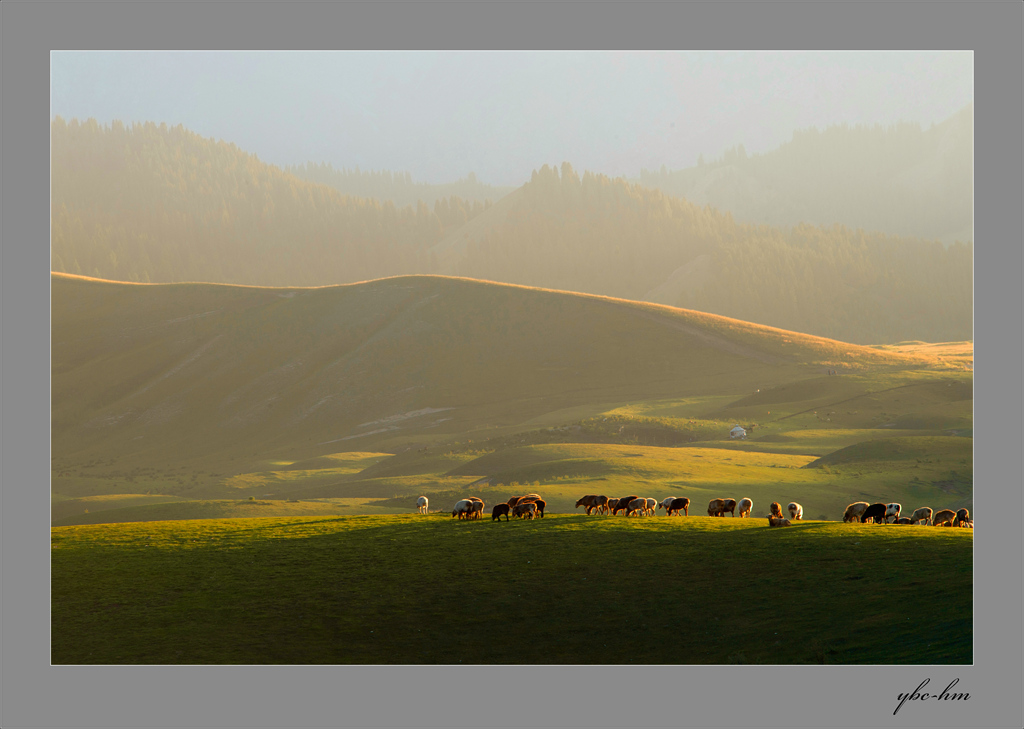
<point x="652" y="506"/>
<point x="477" y="509"/>
<point x="893" y="511"/>
<point x="623" y="504"/>
<point x="591" y="502"/>
<point x="796" y="512"/>
<point x="666" y="504"/>
<point x="421" y="504"/>
<point x="944" y="518"/>
<point x="534" y="499"/>
<point x="513" y="501"/>
<point x="923" y="514"/>
<point x="462" y="508"/>
<point x="586" y="502"/>
<point x="636" y="505"/>
<point x="525" y="510"/>
<point x="904" y="520"/>
<point x="962" y="517"/>
<point x="854" y="511"/>
<point x="776" y="509"/>
<point x="499" y="511"/>
<point x="718" y="507"/>
<point x="611" y="506"/>
<point x="774" y="521"/>
<point x="745" y="506"/>
<point x="876" y="512"/>
<point x="679" y="503"/>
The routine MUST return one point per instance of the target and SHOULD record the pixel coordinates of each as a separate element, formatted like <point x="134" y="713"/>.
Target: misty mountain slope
<point x="158" y="204"/>
<point x="902" y="180"/>
<point x="449" y="252"/>
<point x="609" y="237"/>
<point x="184" y="372"/>
<point x="152" y="203"/>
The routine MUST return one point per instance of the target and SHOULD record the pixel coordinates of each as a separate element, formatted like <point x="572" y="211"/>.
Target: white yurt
<point x="737" y="432"/>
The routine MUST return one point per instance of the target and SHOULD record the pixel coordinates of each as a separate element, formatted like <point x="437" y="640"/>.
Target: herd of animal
<point x="862" y="511"/>
<point x="530" y="506"/>
<point x="673" y="505"/>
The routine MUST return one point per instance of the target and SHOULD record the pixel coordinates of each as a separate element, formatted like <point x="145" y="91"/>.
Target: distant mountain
<point x="149" y="203"/>
<point x="171" y="374"/>
<point x="901" y="179"/>
<point x="396" y="187"/>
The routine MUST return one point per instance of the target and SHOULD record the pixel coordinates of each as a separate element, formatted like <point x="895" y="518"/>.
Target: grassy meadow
<point x="235" y="470"/>
<point x="564" y="589"/>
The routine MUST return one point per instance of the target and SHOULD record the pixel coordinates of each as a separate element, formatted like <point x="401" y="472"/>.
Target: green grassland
<point x="235" y="470"/>
<point x="564" y="590"/>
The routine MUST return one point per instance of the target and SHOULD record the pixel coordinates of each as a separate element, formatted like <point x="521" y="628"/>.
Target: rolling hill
<point x="212" y="391"/>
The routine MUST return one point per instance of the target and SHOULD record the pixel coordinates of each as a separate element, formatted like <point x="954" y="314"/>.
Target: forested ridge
<point x="148" y="202"/>
<point x="153" y="203"/>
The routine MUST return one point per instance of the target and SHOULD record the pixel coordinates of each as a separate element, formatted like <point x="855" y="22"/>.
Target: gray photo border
<point x="35" y="694"/>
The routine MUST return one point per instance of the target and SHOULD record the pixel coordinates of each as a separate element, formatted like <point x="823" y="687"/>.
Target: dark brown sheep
<point x="677" y="504"/>
<point x="875" y="511"/>
<point x="623" y="504"/>
<point x="591" y="502"/>
<point x="499" y="511"/>
<point x="718" y="507"/>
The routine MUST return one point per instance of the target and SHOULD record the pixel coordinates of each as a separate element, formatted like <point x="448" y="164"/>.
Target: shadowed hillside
<point x="182" y="372"/>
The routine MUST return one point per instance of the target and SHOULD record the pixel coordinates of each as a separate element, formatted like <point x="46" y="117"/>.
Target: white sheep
<point x="923" y="514"/>
<point x="462" y="508"/>
<point x="796" y="512"/>
<point x="421" y="504"/>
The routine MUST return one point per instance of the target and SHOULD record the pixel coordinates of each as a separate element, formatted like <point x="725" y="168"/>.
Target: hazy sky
<point x="441" y="115"/>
